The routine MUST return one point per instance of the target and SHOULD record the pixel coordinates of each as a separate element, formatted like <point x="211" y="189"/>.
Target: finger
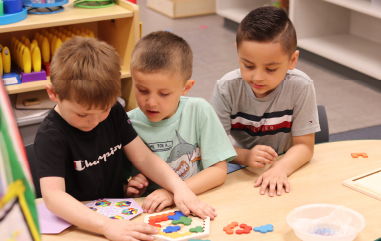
<point x="147" y="204"/>
<point x="142" y="179"/>
<point x="263" y="187"/>
<point x="259" y="162"/>
<point x="258" y="182"/>
<point x="132" y="191"/>
<point x="279" y="188"/>
<point x="154" y="205"/>
<point x="268" y="158"/>
<point x="183" y="208"/>
<point x="270" y="151"/>
<point x="141" y="236"/>
<point x="287" y="186"/>
<point x="199" y="212"/>
<point x="135" y="183"/>
<point x="211" y="212"/>
<point x="272" y="188"/>
<point x="163" y="205"/>
<point x="145" y="228"/>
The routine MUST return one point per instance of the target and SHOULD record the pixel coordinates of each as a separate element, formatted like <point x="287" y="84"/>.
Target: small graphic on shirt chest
<point x="81" y="165"/>
<point x="161" y="146"/>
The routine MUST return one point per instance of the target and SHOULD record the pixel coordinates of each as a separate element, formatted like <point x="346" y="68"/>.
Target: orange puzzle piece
<point x="362" y="154"/>
<point x="229" y="229"/>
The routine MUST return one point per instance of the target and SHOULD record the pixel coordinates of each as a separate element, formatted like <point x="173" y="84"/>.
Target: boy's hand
<point x="136" y="186"/>
<point x="157" y="201"/>
<point x="124" y="230"/>
<point x="188" y="203"/>
<point x="260" y="155"/>
<point x="273" y="181"/>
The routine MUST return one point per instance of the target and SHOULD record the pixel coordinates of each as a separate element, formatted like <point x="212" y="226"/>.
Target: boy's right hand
<point x="188" y="203"/>
<point x="260" y="155"/>
<point x="124" y="230"/>
<point x="136" y="186"/>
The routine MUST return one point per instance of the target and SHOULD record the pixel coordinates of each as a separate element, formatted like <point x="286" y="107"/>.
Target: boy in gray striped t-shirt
<point x="267" y="105"/>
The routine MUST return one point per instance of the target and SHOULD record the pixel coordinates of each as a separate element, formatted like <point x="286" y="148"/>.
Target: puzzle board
<point x="183" y="227"/>
<point x="116" y="208"/>
<point x="368" y="183"/>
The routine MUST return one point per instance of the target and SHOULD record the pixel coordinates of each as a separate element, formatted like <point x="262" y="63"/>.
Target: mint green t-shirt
<point x="189" y="141"/>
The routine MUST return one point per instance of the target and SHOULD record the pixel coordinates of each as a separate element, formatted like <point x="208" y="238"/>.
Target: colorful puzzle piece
<point x="264" y="228"/>
<point x="229" y="229"/>
<point x="171" y="229"/>
<point x="244" y="229"/>
<point x="176" y="216"/>
<point x="183" y="220"/>
<point x="197" y="229"/>
<point x="186" y="228"/>
<point x="362" y="154"/>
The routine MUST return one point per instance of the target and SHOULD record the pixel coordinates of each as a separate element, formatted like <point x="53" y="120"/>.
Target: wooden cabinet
<point x="236" y="10"/>
<point x="118" y="25"/>
<point x="345" y="31"/>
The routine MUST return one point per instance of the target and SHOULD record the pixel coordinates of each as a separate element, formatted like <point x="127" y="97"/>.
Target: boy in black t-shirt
<point x="82" y="144"/>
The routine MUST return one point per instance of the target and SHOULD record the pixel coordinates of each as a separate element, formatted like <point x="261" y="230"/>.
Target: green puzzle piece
<point x="184" y="220"/>
<point x="197" y="229"/>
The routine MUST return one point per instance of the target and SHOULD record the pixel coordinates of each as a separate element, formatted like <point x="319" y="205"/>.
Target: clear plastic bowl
<point x="325" y="222"/>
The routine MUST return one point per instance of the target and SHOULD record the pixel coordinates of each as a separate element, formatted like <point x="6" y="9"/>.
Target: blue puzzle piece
<point x="177" y="216"/>
<point x="171" y="229"/>
<point x="264" y="228"/>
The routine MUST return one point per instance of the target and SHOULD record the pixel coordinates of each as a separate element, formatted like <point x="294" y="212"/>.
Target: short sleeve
<point x="51" y="152"/>
<point x="214" y="143"/>
<point x="305" y="117"/>
<point x="222" y="107"/>
<point x="127" y="132"/>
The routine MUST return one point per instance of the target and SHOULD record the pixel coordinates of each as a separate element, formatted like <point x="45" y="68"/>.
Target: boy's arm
<point x="299" y="153"/>
<point x="208" y="178"/>
<point x="257" y="157"/>
<point x="274" y="181"/>
<point x="70" y="209"/>
<point x="161" y="173"/>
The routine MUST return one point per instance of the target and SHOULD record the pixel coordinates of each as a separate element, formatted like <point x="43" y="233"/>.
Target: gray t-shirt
<point x="290" y="110"/>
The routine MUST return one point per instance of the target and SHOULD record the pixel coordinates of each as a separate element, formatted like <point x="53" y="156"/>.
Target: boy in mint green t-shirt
<point x="183" y="131"/>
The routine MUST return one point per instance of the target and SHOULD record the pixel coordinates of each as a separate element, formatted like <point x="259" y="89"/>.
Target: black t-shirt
<point x="93" y="163"/>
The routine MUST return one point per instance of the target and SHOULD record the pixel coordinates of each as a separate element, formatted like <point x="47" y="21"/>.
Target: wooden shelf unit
<point x="118" y="25"/>
<point x="236" y="10"/>
<point x="345" y="31"/>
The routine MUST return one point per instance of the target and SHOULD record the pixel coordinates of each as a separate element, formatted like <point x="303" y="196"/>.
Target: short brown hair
<point x="87" y="71"/>
<point x="268" y="24"/>
<point x="162" y="51"/>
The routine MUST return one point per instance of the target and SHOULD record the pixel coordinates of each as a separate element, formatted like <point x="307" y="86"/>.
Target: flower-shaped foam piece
<point x="264" y="228"/>
<point x="171" y="229"/>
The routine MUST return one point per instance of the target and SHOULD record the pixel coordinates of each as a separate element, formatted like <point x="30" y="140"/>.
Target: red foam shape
<point x="244" y="229"/>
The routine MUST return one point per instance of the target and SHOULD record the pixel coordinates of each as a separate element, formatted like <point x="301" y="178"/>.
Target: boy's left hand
<point x="136" y="186"/>
<point x="157" y="201"/>
<point x="188" y="203"/>
<point x="273" y="182"/>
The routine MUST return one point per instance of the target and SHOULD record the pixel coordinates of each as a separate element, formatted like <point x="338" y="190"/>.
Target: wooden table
<point x="319" y="181"/>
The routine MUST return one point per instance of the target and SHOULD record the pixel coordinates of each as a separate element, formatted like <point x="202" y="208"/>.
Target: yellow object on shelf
<point x="36" y="59"/>
<point x="6" y="56"/>
<point x="26" y="60"/>
<point x="45" y="50"/>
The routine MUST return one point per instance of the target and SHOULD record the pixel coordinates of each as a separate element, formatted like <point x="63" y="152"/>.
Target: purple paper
<point x="50" y="223"/>
<point x="116" y="208"/>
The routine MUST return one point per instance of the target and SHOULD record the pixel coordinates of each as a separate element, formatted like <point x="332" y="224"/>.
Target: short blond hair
<point x="163" y="51"/>
<point x="87" y="71"/>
